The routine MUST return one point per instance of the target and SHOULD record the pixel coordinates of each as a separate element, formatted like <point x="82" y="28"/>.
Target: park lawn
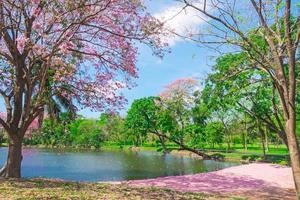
<point x="252" y="148"/>
<point x="56" y="189"/>
<point x="248" y="157"/>
<point x="276" y="154"/>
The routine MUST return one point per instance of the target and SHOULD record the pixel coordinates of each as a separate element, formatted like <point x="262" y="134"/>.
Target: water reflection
<point x="108" y="165"/>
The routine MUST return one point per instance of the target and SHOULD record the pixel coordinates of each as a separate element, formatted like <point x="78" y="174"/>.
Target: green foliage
<point x="52" y="132"/>
<point x="147" y="116"/>
<point x="142" y="116"/>
<point x="214" y="133"/>
<point x="233" y="102"/>
<point x="251" y="158"/>
<point x="88" y="134"/>
<point x="66" y="132"/>
<point x="197" y="135"/>
<point x="1" y="136"/>
<point x="113" y="128"/>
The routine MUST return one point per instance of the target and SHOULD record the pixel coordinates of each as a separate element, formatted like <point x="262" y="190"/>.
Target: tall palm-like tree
<point x="57" y="103"/>
<point x="55" y="106"/>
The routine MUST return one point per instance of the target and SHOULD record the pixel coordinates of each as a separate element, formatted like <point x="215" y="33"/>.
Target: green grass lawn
<point x="255" y="148"/>
<point x="252" y="148"/>
<point x="50" y="189"/>
<point x="275" y="154"/>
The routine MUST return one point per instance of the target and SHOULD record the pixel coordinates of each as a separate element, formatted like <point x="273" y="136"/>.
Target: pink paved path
<point x="254" y="181"/>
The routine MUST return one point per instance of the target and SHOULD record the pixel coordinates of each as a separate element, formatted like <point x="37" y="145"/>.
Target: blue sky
<point x="185" y="60"/>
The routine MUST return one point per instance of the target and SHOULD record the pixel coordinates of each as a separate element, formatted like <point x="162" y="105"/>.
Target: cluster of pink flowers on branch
<point x="182" y="88"/>
<point x="83" y="50"/>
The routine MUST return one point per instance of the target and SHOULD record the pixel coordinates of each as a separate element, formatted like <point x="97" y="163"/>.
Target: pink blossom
<point x="89" y="52"/>
<point x="181" y="88"/>
<point x="37" y="25"/>
<point x="21" y="42"/>
<point x="35" y="1"/>
<point x="35" y="12"/>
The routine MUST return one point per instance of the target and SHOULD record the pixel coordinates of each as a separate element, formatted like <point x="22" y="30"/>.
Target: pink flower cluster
<point x="88" y="47"/>
<point x="180" y="88"/>
<point x="21" y="42"/>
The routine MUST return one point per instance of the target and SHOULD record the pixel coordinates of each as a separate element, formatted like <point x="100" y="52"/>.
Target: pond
<point x="108" y="165"/>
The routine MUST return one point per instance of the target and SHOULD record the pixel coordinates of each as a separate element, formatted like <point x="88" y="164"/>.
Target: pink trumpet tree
<point x="182" y="90"/>
<point x="83" y="50"/>
<point x="178" y="98"/>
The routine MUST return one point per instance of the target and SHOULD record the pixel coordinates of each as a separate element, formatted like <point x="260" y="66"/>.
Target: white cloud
<point x="181" y="21"/>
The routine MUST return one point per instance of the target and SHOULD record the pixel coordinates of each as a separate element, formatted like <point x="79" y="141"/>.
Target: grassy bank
<point x="275" y="154"/>
<point x="50" y="189"/>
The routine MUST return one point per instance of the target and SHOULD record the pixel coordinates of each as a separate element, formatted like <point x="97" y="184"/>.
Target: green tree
<point x="244" y="90"/>
<point x="214" y="133"/>
<point x="276" y="56"/>
<point x="178" y="98"/>
<point x="89" y="134"/>
<point x="147" y="115"/>
<point x="1" y="136"/>
<point x="113" y="128"/>
<point x="200" y="113"/>
<point x="142" y="118"/>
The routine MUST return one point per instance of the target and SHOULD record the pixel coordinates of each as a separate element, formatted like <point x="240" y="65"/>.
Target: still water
<point x="108" y="165"/>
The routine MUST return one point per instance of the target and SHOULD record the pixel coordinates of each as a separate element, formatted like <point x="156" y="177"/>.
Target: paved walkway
<point x="254" y="181"/>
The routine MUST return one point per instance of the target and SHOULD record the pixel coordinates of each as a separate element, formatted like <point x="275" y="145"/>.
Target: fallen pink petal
<point x="255" y="181"/>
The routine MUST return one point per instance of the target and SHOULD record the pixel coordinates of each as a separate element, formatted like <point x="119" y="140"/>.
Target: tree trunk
<point x="3" y="170"/>
<point x="183" y="147"/>
<point x="227" y="139"/>
<point x="12" y="168"/>
<point x="245" y="136"/>
<point x="294" y="152"/>
<point x="227" y="134"/>
<point x="262" y="135"/>
<point x="245" y="145"/>
<point x="162" y="141"/>
<point x="266" y="139"/>
<point x="1" y="135"/>
<point x="40" y="120"/>
<point x="228" y="146"/>
<point x="263" y="144"/>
